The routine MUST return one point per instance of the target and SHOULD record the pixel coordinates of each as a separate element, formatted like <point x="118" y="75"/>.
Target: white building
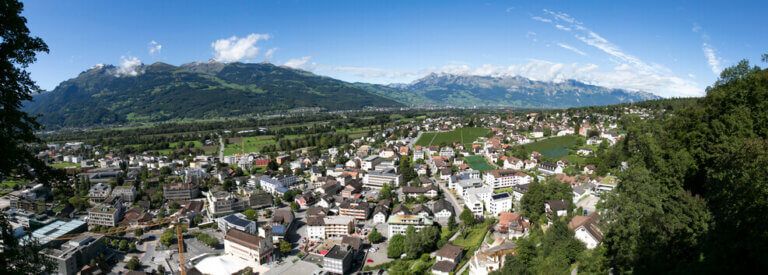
<point x="505" y="178"/>
<point x="399" y="223"/>
<point x="377" y="179"/>
<point x="237" y="221"/>
<point x="499" y="203"/>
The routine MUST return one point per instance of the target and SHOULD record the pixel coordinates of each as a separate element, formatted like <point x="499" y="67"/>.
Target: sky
<point x="669" y="48"/>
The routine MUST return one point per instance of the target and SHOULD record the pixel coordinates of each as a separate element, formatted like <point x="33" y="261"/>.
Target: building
<point x="338" y="226"/>
<point x="446" y="259"/>
<point x="357" y="210"/>
<point x="99" y="192"/>
<point x="181" y="191"/>
<point x="370" y="162"/>
<point x="107" y="213"/>
<point x="513" y="225"/>
<point x="490" y="257"/>
<point x="429" y="191"/>
<point x="505" y="178"/>
<point x="74" y="254"/>
<point x="550" y="168"/>
<point x="272" y="185"/>
<point x="223" y="202"/>
<point x="315" y="228"/>
<point x="380" y="214"/>
<point x="586" y="230"/>
<point x="338" y="260"/>
<point x="556" y="207"/>
<point x="237" y="221"/>
<point x="443" y="211"/>
<point x="499" y="203"/>
<point x="399" y="223"/>
<point x="377" y="179"/>
<point x="251" y="248"/>
<point x="281" y="223"/>
<point x="128" y="193"/>
<point x="49" y="235"/>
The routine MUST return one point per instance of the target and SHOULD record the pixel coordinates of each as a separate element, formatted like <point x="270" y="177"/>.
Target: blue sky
<point x="670" y="48"/>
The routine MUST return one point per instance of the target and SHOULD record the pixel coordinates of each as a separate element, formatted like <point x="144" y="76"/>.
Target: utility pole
<point x="180" y="240"/>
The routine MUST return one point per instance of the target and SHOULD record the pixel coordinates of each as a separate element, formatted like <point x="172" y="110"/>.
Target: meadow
<point x="464" y="136"/>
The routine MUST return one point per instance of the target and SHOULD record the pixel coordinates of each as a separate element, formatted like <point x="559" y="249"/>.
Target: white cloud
<point x="510" y="9"/>
<point x="129" y="66"/>
<point x="638" y="74"/>
<point x="532" y="35"/>
<point x="571" y="48"/>
<point x="236" y="48"/>
<point x="538" y="18"/>
<point x="268" y="55"/>
<point x="301" y="63"/>
<point x="710" y="53"/>
<point x="153" y="47"/>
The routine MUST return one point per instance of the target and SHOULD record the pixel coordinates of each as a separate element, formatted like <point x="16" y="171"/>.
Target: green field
<point x="478" y="163"/>
<point x="464" y="136"/>
<point x="555" y="147"/>
<point x="247" y="144"/>
<point x="62" y="165"/>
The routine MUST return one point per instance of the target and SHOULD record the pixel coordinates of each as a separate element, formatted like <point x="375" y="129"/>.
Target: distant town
<point x="438" y="194"/>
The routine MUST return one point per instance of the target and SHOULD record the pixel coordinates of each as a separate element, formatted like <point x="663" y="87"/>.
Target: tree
<point x="251" y="214"/>
<point x="17" y="51"/>
<point x="285" y="247"/>
<point x="294" y="206"/>
<point x="396" y="246"/>
<point x="133" y="263"/>
<point x="123" y="245"/>
<point x="375" y="236"/>
<point x="20" y="259"/>
<point x="452" y="222"/>
<point x="467" y="217"/>
<point x="272" y="165"/>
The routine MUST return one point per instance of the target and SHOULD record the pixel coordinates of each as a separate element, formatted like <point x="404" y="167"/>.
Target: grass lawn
<point x="247" y="144"/>
<point x="471" y="240"/>
<point x="478" y="163"/>
<point x="464" y="136"/>
<point x="554" y="147"/>
<point x="62" y="165"/>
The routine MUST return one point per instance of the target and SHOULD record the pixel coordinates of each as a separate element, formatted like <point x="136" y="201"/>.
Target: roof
<point x="283" y="216"/>
<point x="56" y="229"/>
<point x="557" y="205"/>
<point x="441" y="205"/>
<point x="338" y="252"/>
<point x="444" y="266"/>
<point x="449" y="251"/>
<point x="500" y="196"/>
<point x="354" y="242"/>
<point x="237" y="220"/>
<point x="243" y="238"/>
<point x="589" y="223"/>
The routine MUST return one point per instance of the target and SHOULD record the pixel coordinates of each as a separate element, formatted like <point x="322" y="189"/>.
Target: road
<point x="221" y="148"/>
<point x="457" y="208"/>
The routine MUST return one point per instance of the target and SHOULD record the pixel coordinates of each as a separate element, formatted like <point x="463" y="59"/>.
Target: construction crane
<point x="180" y="240"/>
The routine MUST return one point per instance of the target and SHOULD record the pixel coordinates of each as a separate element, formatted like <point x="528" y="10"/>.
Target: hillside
<point x="512" y="91"/>
<point x="159" y="92"/>
<point x="101" y="95"/>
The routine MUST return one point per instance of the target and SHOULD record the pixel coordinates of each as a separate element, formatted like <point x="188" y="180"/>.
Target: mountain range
<point x="107" y="94"/>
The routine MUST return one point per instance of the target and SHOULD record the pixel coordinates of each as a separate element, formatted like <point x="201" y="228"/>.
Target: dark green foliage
<point x="396" y="246"/>
<point x="375" y="236"/>
<point x="423" y="241"/>
<point x="467" y="217"/>
<point x="133" y="264"/>
<point x="532" y="203"/>
<point x="695" y="195"/>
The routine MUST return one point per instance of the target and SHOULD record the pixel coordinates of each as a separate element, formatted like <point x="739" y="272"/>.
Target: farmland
<point x="554" y="147"/>
<point x="464" y="136"/>
<point x="478" y="163"/>
<point x="247" y="144"/>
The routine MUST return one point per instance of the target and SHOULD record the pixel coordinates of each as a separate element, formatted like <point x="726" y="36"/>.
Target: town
<point x="434" y="194"/>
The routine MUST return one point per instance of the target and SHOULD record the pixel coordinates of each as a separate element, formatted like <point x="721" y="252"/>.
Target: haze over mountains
<point x="106" y="94"/>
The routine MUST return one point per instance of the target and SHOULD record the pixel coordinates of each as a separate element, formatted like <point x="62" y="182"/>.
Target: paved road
<point x="221" y="148"/>
<point x="451" y="198"/>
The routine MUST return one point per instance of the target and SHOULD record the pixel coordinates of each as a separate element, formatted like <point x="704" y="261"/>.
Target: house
<point x="443" y="211"/>
<point x="399" y="223"/>
<point x="499" y="203"/>
<point x="445" y="173"/>
<point x="338" y="260"/>
<point x="357" y="210"/>
<point x="491" y="257"/>
<point x="107" y="213"/>
<point x="446" y="259"/>
<point x="513" y="163"/>
<point x="370" y="162"/>
<point x="281" y="223"/>
<point x="429" y="191"/>
<point x="181" y="191"/>
<point x="586" y="230"/>
<point x="377" y="179"/>
<point x="380" y="214"/>
<point x="589" y="169"/>
<point x="549" y="168"/>
<point x="99" y="192"/>
<point x="584" y="152"/>
<point x="558" y="208"/>
<point x="128" y="193"/>
<point x="305" y="200"/>
<point x="338" y="226"/>
<point x="446" y="152"/>
<point x="505" y="178"/>
<point x="315" y="228"/>
<point x="237" y="221"/>
<point x="254" y="249"/>
<point x="512" y="225"/>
